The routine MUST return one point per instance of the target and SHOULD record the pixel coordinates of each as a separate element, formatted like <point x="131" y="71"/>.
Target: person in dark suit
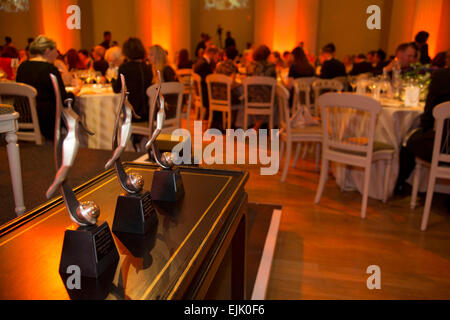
<point x="331" y="67"/>
<point x="421" y="142"/>
<point x="204" y="67"/>
<point x="229" y="41"/>
<point x="106" y="40"/>
<point x="421" y="42"/>
<point x="379" y="62"/>
<point x="361" y="65"/>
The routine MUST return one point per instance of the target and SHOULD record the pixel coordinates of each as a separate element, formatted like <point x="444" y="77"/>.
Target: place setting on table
<point x="402" y="103"/>
<point x="95" y="102"/>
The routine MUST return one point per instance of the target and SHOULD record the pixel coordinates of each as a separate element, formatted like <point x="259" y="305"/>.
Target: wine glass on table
<point x="353" y="82"/>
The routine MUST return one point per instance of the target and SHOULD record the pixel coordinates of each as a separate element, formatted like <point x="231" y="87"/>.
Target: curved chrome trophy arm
<point x="66" y="149"/>
<point x="164" y="160"/>
<point x="131" y="183"/>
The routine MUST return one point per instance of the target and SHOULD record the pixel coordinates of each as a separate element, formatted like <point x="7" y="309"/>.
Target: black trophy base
<point x="92" y="249"/>
<point x="167" y="185"/>
<point x="134" y="213"/>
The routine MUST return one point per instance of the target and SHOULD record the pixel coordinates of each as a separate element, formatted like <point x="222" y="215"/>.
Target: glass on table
<point x="353" y="81"/>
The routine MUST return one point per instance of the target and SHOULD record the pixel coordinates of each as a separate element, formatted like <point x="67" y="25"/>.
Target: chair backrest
<point x="348" y="124"/>
<point x="321" y="85"/>
<point x="197" y="86"/>
<point x="308" y="80"/>
<point x="23" y="98"/>
<point x="441" y="149"/>
<point x="259" y="92"/>
<point x="283" y="108"/>
<point x="219" y="90"/>
<point x="302" y="94"/>
<point x="185" y="77"/>
<point x="168" y="89"/>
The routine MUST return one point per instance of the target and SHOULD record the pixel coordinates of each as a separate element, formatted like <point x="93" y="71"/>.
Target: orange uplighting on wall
<point x="161" y="18"/>
<point x="428" y="15"/>
<point x="144" y="21"/>
<point x="285" y="27"/>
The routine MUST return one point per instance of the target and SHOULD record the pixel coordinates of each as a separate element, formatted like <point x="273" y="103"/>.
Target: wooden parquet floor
<point x="323" y="250"/>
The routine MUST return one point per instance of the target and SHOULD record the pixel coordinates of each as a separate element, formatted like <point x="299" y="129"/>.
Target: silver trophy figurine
<point x="91" y="247"/>
<point x="167" y="183"/>
<point x="134" y="209"/>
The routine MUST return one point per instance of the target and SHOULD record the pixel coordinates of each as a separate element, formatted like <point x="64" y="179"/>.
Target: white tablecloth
<point x="98" y="111"/>
<point x="393" y="124"/>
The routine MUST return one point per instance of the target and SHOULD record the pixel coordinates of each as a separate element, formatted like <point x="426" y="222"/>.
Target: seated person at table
<point x="421" y="142"/>
<point x="100" y="64"/>
<point x="183" y="61"/>
<point x="138" y="77"/>
<point x="204" y="67"/>
<point x="36" y="72"/>
<point x="300" y="68"/>
<point x="379" y="62"/>
<point x="114" y="58"/>
<point x="85" y="58"/>
<point x="228" y="67"/>
<point x="158" y="59"/>
<point x="361" y="65"/>
<point x="260" y="66"/>
<point x="405" y="54"/>
<point x="6" y="66"/>
<point x="331" y="67"/>
<point x="73" y="61"/>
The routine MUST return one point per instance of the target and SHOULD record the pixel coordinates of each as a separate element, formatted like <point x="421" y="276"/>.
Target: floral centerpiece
<point x="419" y="75"/>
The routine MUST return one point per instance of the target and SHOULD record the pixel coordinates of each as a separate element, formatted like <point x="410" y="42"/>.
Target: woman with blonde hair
<point x="36" y="73"/>
<point x="158" y="60"/>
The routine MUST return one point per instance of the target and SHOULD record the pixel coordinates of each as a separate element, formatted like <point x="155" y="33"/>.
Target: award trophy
<point x="134" y="209"/>
<point x="167" y="184"/>
<point x="90" y="246"/>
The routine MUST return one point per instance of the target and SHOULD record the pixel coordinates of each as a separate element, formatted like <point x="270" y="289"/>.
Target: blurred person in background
<point x="183" y="61"/>
<point x="100" y="64"/>
<point x="330" y="66"/>
<point x="85" y="58"/>
<point x="36" y="73"/>
<point x="159" y="62"/>
<point x="300" y="67"/>
<point x="421" y="39"/>
<point x="138" y="77"/>
<point x="405" y="55"/>
<point x="73" y="61"/>
<point x="106" y="40"/>
<point x="361" y="65"/>
<point x="114" y="58"/>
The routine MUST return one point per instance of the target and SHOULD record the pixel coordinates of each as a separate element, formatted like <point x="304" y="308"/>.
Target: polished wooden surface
<point x="323" y="250"/>
<point x="159" y="266"/>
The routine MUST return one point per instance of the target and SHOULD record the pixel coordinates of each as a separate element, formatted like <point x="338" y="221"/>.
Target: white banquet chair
<point x="185" y="77"/>
<point x="439" y="166"/>
<point x="290" y="135"/>
<point x="24" y="101"/>
<point x="217" y="102"/>
<point x="319" y="86"/>
<point x="302" y="104"/>
<point x="258" y="105"/>
<point x="199" y="111"/>
<point x="350" y="141"/>
<point x="170" y="124"/>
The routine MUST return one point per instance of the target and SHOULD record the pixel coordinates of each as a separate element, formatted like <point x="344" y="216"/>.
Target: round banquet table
<point x="97" y="105"/>
<point x="394" y="122"/>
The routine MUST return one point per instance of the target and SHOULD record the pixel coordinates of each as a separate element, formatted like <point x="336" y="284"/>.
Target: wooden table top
<point x="150" y="267"/>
